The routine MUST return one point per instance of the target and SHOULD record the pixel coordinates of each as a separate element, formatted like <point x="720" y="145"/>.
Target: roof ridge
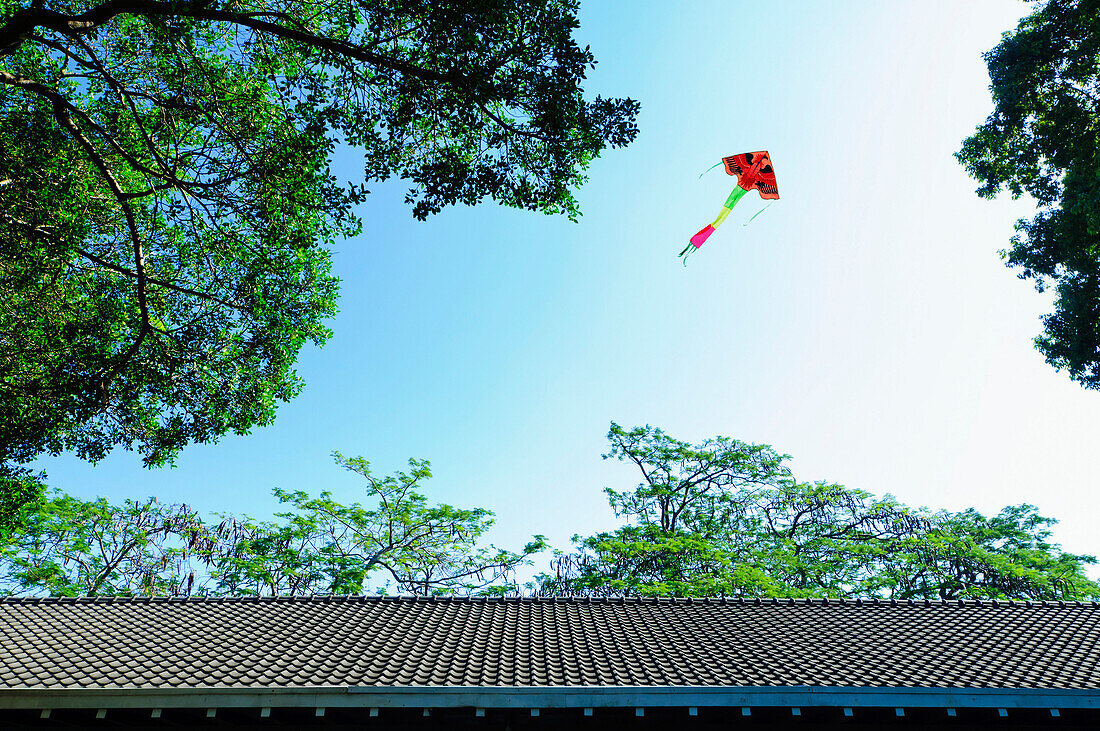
<point x="721" y="601"/>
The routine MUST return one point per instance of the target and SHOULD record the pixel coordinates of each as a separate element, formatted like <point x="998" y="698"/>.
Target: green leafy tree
<point x="19" y="491"/>
<point x="727" y="518"/>
<point x="73" y="547"/>
<point x="398" y="541"/>
<point x="167" y="207"/>
<point x="969" y="555"/>
<point x="321" y="545"/>
<point x="1043" y="139"/>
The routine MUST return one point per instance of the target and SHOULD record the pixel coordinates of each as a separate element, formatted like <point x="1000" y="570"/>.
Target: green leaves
<point x="321" y="545"/>
<point x="719" y="518"/>
<point x="397" y="540"/>
<point x="167" y="207"/>
<point x="71" y="547"/>
<point x="19" y="490"/>
<point x="1043" y="139"/>
<point x="726" y="518"/>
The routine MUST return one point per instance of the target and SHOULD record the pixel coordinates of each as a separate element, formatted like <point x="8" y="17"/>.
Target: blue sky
<point x="864" y="324"/>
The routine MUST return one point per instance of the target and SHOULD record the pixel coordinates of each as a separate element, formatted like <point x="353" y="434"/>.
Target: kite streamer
<point x="746" y="223"/>
<point x="754" y="172"/>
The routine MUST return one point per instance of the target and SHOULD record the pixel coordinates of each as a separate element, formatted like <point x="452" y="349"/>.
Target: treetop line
<point x="744" y="527"/>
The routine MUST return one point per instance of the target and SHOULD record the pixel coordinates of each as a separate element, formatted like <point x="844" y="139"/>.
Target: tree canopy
<point x="1043" y="139"/>
<point x="398" y="541"/>
<point x="727" y="518"/>
<point x="718" y="518"/>
<point x="167" y="205"/>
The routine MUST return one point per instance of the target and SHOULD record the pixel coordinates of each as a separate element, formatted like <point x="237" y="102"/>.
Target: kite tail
<point x="686" y="253"/>
<point x="697" y="240"/>
<point x="700" y="238"/>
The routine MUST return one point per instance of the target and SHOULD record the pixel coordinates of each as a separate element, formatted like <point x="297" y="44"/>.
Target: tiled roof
<point x="358" y="641"/>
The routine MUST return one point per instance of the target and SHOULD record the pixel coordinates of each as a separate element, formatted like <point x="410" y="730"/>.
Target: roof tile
<point x="317" y="641"/>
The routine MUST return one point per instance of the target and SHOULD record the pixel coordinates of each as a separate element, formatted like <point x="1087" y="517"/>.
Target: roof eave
<point x="802" y="696"/>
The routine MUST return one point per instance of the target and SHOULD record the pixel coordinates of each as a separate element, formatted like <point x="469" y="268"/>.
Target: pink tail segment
<point x="700" y="238"/>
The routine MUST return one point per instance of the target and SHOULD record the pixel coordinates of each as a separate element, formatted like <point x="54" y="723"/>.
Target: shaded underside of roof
<point x="390" y="641"/>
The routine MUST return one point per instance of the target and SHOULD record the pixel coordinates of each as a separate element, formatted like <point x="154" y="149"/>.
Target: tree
<point x="398" y="541"/>
<point x="73" y="547"/>
<point x="321" y="545"/>
<point x="726" y="518"/>
<point x="1043" y="139"/>
<point x="967" y="555"/>
<point x="19" y="490"/>
<point x="167" y="206"/>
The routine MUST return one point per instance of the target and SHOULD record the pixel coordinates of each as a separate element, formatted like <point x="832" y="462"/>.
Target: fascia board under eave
<point x="548" y="697"/>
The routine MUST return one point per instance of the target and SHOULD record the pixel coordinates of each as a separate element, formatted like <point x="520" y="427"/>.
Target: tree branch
<point x="66" y="120"/>
<point x="24" y="22"/>
<point x="162" y="283"/>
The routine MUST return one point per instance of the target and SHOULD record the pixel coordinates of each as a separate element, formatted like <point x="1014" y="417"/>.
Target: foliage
<point x="72" y="547"/>
<point x="726" y="518"/>
<point x="1007" y="556"/>
<point x="167" y="207"/>
<point x="402" y="542"/>
<point x="1043" y="139"/>
<point x="19" y="491"/>
<point x="322" y="545"/>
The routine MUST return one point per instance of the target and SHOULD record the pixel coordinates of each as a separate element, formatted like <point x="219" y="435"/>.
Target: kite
<point x="753" y="171"/>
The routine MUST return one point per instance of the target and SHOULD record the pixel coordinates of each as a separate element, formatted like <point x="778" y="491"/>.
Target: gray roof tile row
<point x="395" y="641"/>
